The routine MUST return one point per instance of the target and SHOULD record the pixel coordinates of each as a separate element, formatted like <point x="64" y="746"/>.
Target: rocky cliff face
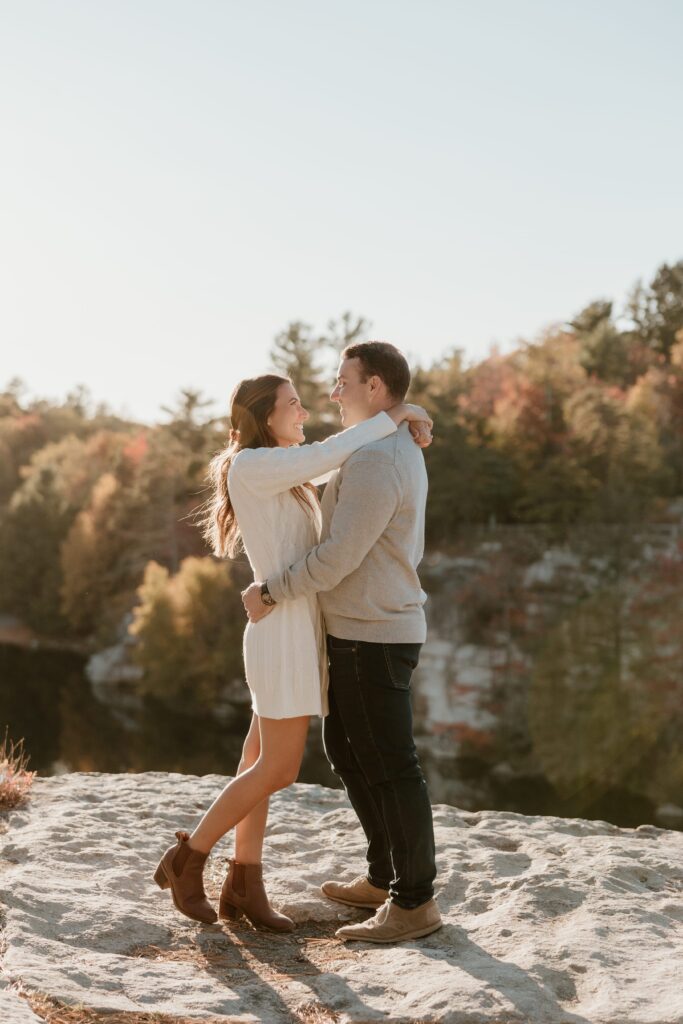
<point x="552" y="677"/>
<point x="546" y="920"/>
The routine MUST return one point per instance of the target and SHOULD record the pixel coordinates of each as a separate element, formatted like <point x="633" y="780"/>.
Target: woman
<point x="263" y="498"/>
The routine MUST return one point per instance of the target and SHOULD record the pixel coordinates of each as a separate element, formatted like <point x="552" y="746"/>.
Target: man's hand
<point x="254" y="606"/>
<point x="422" y="434"/>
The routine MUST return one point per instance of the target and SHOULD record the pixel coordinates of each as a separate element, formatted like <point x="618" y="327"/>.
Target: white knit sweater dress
<point x="284" y="653"/>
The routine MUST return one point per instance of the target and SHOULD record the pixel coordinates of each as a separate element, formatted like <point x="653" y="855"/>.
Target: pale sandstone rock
<point x="545" y="919"/>
<point x="14" y="1009"/>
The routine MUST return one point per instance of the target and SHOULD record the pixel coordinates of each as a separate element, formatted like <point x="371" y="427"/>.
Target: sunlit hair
<point x="251" y="403"/>
<point x="381" y="359"/>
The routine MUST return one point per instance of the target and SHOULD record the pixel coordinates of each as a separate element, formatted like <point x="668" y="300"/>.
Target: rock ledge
<point x="546" y="920"/>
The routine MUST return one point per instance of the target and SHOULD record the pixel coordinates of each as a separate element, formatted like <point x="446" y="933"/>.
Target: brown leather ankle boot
<point x="180" y="869"/>
<point x="243" y="893"/>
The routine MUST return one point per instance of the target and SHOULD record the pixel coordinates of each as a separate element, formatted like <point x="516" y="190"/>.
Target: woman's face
<point x="286" y="421"/>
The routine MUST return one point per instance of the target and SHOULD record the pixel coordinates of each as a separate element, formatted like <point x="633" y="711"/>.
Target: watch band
<point x="266" y="596"/>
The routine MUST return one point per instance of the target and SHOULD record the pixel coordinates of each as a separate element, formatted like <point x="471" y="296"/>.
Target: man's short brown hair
<point x="380" y="359"/>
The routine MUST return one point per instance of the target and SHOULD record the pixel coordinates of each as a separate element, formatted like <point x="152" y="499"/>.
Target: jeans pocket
<point x="335" y="645"/>
<point x="401" y="661"/>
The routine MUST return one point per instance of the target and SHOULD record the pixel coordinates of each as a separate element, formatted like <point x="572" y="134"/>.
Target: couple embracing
<point x="335" y="628"/>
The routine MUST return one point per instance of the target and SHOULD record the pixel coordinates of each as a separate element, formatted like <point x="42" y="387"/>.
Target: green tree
<point x="604" y="349"/>
<point x="620" y="449"/>
<point x="188" y="424"/>
<point x="161" y="651"/>
<point x="296" y="354"/>
<point x="557" y="491"/>
<point x="11" y="397"/>
<point x="468" y="480"/>
<point x="657" y="310"/>
<point x="348" y="329"/>
<point x="604" y="704"/>
<point x="31" y="532"/>
<point x="189" y="629"/>
<point x="91" y="562"/>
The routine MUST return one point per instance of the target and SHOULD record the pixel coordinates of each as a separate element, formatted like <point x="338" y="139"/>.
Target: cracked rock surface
<point x="545" y="919"/>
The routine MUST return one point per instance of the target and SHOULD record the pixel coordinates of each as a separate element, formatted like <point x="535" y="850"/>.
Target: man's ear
<point x="376" y="384"/>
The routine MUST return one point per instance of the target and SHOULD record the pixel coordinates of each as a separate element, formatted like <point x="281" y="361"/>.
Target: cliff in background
<point x="552" y="677"/>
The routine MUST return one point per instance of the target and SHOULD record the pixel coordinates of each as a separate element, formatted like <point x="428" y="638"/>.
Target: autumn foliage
<point x="584" y="425"/>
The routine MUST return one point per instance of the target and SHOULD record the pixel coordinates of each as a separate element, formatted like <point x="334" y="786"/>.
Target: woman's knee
<point x="282" y="750"/>
<point x="280" y="777"/>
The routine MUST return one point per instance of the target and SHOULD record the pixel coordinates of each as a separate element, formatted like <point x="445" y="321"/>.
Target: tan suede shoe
<point x="358" y="893"/>
<point x="392" y="923"/>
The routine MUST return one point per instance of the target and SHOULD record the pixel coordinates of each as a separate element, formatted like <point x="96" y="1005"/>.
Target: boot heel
<point x="228" y="912"/>
<point x="161" y="878"/>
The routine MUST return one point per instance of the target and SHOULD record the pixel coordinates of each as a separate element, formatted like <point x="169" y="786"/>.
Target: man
<point x="364" y="571"/>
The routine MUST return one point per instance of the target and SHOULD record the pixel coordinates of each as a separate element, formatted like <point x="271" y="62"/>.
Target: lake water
<point x="46" y="698"/>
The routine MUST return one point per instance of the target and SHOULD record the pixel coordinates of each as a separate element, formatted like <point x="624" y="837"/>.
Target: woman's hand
<point x="419" y="419"/>
<point x="422" y="435"/>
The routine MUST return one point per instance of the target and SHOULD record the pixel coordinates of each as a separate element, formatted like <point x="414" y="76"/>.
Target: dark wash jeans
<point x="368" y="738"/>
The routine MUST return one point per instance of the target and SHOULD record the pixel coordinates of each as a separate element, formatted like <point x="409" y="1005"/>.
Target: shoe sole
<point x="355" y="903"/>
<point x="229" y="912"/>
<point x="418" y="934"/>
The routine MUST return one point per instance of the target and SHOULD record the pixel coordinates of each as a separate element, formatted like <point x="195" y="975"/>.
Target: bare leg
<point x="249" y="832"/>
<point x="282" y="748"/>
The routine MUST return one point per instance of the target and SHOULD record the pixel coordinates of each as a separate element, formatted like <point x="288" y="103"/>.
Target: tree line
<point x="584" y="424"/>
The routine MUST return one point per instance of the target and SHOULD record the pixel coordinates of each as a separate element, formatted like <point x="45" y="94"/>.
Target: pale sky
<point x="180" y="178"/>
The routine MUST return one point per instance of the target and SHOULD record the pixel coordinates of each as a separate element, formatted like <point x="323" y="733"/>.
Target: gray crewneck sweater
<point x="365" y="567"/>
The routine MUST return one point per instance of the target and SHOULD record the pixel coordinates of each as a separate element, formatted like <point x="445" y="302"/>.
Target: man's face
<point x="352" y="393"/>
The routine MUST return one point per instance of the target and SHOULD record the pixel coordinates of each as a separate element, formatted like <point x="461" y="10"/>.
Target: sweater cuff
<point x="275" y="589"/>
<point x="386" y="416"/>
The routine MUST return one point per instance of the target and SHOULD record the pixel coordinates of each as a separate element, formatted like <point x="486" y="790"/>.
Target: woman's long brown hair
<point x="251" y="403"/>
